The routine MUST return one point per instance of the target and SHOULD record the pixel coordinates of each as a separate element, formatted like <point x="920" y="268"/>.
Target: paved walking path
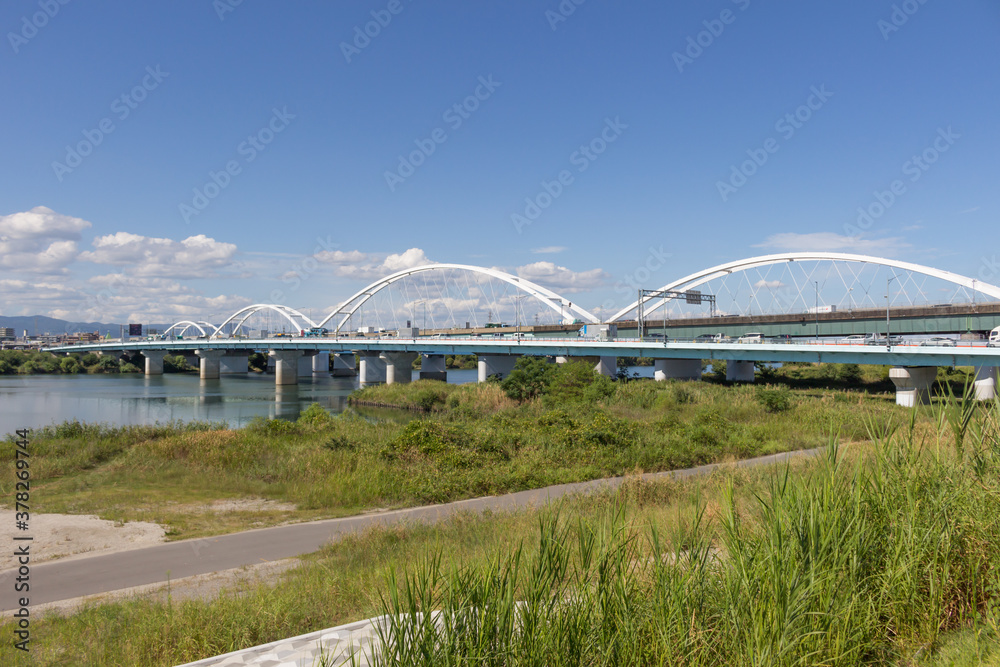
<point x="64" y="580"/>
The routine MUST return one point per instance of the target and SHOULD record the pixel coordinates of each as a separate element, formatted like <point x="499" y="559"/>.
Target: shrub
<point x="529" y="379"/>
<point x="70" y="365"/>
<point x="315" y="416"/>
<point x="773" y="399"/>
<point x="849" y="373"/>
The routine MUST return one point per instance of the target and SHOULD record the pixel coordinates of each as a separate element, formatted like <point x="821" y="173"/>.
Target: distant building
<point x="7" y="333"/>
<point x="84" y="337"/>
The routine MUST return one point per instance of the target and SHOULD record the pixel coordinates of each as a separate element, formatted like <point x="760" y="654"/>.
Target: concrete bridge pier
<point x="344" y="365"/>
<point x="210" y="363"/>
<point x="371" y="370"/>
<point x="739" y="371"/>
<point x="305" y="363"/>
<point x="321" y="363"/>
<point x="913" y="384"/>
<point x="236" y="362"/>
<point x="496" y="364"/>
<point x="677" y="369"/>
<point x="985" y="384"/>
<point x="154" y="361"/>
<point x="398" y="366"/>
<point x="432" y="367"/>
<point x="286" y="366"/>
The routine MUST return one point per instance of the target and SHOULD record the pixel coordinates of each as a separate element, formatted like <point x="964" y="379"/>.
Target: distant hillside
<point x="40" y="325"/>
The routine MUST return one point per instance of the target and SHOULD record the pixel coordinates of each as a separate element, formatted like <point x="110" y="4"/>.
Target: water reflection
<point x="33" y="401"/>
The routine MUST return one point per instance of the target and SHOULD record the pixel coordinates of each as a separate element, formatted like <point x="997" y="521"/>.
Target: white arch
<point x="695" y="279"/>
<point x="187" y="325"/>
<point x="564" y="307"/>
<point x="285" y="311"/>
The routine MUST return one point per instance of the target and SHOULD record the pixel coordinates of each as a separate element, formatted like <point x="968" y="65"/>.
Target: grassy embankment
<point x="882" y="552"/>
<point x="478" y="441"/>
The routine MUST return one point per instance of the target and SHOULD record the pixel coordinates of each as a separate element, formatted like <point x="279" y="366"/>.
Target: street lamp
<point x="816" y="282"/>
<point x="517" y="315"/>
<point x="887" y="301"/>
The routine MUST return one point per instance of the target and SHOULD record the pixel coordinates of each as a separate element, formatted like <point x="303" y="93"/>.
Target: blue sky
<point x="312" y="122"/>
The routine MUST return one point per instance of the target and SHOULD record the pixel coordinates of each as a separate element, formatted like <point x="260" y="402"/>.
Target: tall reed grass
<point x="863" y="559"/>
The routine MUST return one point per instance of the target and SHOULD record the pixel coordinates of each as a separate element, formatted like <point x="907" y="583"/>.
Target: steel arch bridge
<point x="571" y="312"/>
<point x="245" y="313"/>
<point x="699" y="278"/>
<point x="566" y="309"/>
<point x="184" y="325"/>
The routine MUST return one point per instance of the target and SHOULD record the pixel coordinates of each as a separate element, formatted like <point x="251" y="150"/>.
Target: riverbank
<point x="551" y="426"/>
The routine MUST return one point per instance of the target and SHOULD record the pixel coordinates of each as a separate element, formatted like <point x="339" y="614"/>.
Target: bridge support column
<point x="607" y="366"/>
<point x="154" y="361"/>
<point x="986" y="383"/>
<point x="398" y="366"/>
<point x="305" y="363"/>
<point x="286" y="366"/>
<point x="236" y="362"/>
<point x="677" y="369"/>
<point x="913" y="384"/>
<point x="739" y="371"/>
<point x="371" y="369"/>
<point x="343" y="365"/>
<point x="321" y="363"/>
<point x="432" y="367"/>
<point x="496" y="364"/>
<point x="210" y="363"/>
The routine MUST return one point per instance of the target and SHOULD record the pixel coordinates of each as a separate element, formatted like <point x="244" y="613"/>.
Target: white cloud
<point x="341" y="256"/>
<point x="830" y="242"/>
<point x="560" y="279"/>
<point x="194" y="257"/>
<point x="357" y="265"/>
<point x="549" y="250"/>
<point x="769" y="284"/>
<point x="39" y="240"/>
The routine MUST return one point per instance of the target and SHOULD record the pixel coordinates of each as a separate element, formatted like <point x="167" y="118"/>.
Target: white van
<point x="751" y="338"/>
<point x="994" y="338"/>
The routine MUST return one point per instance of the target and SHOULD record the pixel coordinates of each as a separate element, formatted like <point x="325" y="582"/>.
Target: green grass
<point x="882" y="552"/>
<point x="477" y="442"/>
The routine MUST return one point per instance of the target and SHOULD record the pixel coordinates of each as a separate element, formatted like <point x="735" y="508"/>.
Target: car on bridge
<point x="711" y="338"/>
<point x="994" y="340"/>
<point x="938" y="341"/>
<point x="754" y="337"/>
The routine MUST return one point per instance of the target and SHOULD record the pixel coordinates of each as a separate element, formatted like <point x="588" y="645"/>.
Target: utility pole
<point x="816" y="282"/>
<point x="888" y="345"/>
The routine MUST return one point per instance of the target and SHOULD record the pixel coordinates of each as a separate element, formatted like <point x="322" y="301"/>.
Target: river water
<point x="33" y="401"/>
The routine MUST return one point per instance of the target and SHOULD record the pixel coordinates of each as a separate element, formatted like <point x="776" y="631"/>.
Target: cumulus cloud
<point x="194" y="257"/>
<point x="560" y="279"/>
<point x="357" y="265"/>
<point x="39" y="240"/>
<point x="830" y="242"/>
<point x="769" y="284"/>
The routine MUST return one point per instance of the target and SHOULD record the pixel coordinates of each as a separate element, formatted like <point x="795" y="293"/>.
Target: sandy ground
<point x="67" y="536"/>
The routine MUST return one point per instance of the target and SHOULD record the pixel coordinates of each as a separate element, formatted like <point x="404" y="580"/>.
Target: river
<point x="33" y="401"/>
